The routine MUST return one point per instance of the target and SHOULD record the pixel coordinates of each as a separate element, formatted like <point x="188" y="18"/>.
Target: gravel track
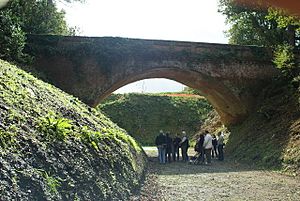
<point x="220" y="181"/>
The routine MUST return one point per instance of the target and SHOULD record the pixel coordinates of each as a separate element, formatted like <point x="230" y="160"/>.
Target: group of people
<point x="168" y="148"/>
<point x="207" y="146"/>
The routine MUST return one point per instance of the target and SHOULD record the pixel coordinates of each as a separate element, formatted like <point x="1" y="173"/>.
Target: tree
<point x="267" y="27"/>
<point x="254" y="26"/>
<point x="12" y="37"/>
<point x="21" y="17"/>
<point x="39" y="17"/>
<point x="289" y="23"/>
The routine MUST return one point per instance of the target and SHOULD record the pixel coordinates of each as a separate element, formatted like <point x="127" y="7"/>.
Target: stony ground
<point x="220" y="181"/>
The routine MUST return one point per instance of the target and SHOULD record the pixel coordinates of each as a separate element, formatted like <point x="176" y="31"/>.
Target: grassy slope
<point x="270" y="136"/>
<point x="53" y="147"/>
<point x="143" y="115"/>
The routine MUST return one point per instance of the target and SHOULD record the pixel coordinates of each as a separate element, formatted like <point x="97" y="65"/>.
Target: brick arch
<point x="230" y="76"/>
<point x="230" y="107"/>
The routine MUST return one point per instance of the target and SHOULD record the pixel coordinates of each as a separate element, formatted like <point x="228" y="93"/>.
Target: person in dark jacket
<point x="169" y="147"/>
<point x="176" y="142"/>
<point x="161" y="144"/>
<point x="220" y="146"/>
<point x="200" y="147"/>
<point x="215" y="146"/>
<point x="184" y="144"/>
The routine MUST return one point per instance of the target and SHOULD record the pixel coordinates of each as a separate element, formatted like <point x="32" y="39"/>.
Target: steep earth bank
<point x="143" y="115"/>
<point x="53" y="147"/>
<point x="270" y="136"/>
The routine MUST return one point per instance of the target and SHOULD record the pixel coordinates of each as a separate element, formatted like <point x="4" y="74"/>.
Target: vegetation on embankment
<point x="53" y="147"/>
<point x="143" y="115"/>
<point x="270" y="136"/>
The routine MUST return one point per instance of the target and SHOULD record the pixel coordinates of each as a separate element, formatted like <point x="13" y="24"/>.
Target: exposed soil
<point x="220" y="181"/>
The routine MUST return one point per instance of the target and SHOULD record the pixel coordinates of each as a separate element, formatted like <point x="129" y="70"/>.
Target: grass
<point x="143" y="115"/>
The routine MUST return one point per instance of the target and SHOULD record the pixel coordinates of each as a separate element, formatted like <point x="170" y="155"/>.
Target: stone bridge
<point x="229" y="76"/>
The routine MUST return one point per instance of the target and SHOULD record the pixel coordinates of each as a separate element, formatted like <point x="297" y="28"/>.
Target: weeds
<point x="52" y="183"/>
<point x="7" y="138"/>
<point x="90" y="137"/>
<point x="54" y="127"/>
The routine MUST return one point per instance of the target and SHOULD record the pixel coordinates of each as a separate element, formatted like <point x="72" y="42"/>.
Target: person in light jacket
<point x="207" y="145"/>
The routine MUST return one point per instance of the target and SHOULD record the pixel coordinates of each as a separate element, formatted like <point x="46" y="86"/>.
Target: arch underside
<point x="231" y="107"/>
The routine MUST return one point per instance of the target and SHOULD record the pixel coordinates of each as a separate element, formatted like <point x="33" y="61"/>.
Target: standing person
<point x="184" y="144"/>
<point x="161" y="144"/>
<point x="176" y="145"/>
<point x="207" y="146"/>
<point x="200" y="147"/>
<point x="215" y="146"/>
<point x="172" y="148"/>
<point x="169" y="147"/>
<point x="221" y="146"/>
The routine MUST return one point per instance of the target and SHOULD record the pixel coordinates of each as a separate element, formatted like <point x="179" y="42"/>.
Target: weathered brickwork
<point x="230" y="76"/>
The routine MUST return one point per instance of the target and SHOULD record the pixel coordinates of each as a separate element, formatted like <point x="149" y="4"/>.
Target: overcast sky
<point x="182" y="20"/>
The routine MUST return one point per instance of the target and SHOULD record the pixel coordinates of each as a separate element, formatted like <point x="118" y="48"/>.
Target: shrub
<point x="284" y="59"/>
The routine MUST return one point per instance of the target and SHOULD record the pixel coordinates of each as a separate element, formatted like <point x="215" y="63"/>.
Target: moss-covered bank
<point x="53" y="147"/>
<point x="143" y="115"/>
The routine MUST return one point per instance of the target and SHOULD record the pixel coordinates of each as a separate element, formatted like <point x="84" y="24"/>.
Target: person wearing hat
<point x="184" y="144"/>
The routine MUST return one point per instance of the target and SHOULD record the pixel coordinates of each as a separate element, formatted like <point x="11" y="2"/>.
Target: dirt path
<point x="220" y="181"/>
